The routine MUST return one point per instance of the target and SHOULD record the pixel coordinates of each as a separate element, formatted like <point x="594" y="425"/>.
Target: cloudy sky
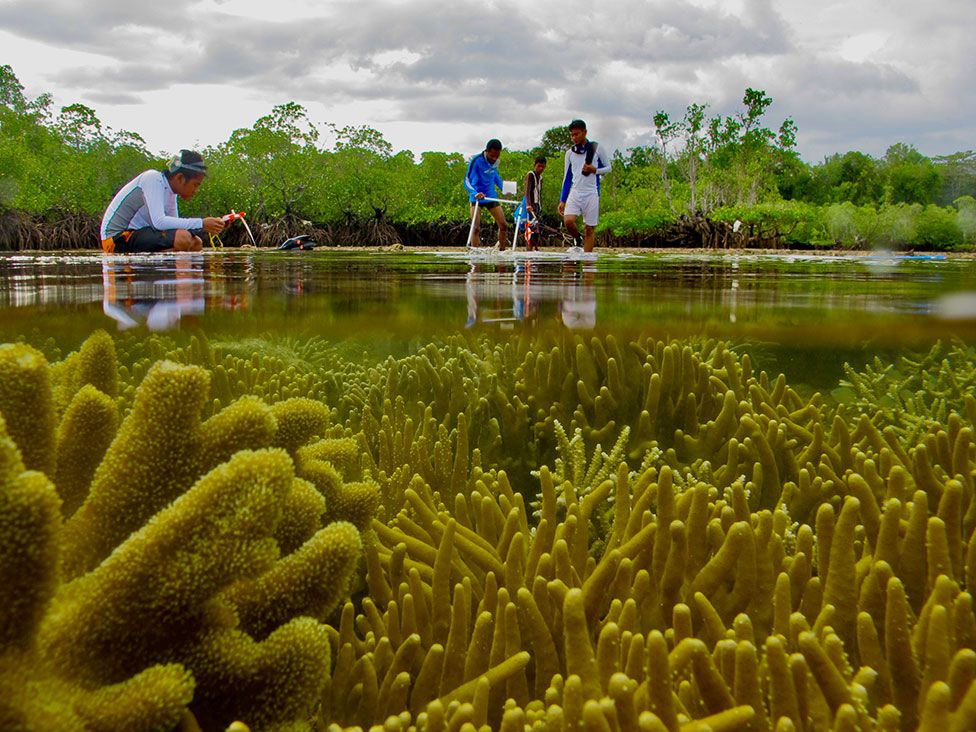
<point x="433" y="75"/>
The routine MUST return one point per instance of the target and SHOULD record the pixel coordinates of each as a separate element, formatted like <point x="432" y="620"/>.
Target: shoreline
<point x="402" y="249"/>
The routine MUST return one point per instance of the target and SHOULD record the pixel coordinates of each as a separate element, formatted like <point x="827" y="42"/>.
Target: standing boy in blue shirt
<point x="481" y="181"/>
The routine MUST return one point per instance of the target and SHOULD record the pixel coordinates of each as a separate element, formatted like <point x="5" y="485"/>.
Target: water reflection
<point x="333" y="292"/>
<point x="510" y="293"/>
<point x="159" y="302"/>
<point x="578" y="306"/>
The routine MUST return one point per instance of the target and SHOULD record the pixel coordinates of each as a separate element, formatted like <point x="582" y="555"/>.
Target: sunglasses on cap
<point x="176" y="165"/>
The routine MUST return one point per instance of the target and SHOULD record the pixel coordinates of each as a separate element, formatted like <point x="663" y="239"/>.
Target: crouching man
<point x="144" y="216"/>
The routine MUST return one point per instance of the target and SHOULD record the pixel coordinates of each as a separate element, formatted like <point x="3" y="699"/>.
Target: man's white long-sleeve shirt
<point x="573" y="178"/>
<point x="146" y="200"/>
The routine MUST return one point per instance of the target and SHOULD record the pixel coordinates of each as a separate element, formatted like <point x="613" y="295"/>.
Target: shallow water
<point x="808" y="314"/>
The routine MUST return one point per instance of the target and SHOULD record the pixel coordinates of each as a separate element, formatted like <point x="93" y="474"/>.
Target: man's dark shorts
<point x="487" y="205"/>
<point x="147" y="241"/>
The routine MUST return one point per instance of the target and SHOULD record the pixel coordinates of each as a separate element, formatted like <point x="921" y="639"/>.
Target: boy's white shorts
<point x="586" y="205"/>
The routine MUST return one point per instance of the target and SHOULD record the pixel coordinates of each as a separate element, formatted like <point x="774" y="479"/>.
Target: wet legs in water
<point x="589" y="237"/>
<point x="499" y="215"/>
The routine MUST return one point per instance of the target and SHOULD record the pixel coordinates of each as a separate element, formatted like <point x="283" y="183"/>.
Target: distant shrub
<point x="966" y="218"/>
<point x="937" y="228"/>
<point x="639" y="221"/>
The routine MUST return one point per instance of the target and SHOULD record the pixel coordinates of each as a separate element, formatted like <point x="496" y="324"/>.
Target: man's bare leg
<point x="476" y="231"/>
<point x="184" y="241"/>
<point x="499" y="217"/>
<point x="570" y="222"/>
<point x="589" y="238"/>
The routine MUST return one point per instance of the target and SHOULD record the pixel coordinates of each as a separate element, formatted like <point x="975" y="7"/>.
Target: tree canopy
<point x="288" y="166"/>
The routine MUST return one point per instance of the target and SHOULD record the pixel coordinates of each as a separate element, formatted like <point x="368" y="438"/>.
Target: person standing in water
<point x="480" y="181"/>
<point x="530" y="210"/>
<point x="584" y="165"/>
<point x="144" y="215"/>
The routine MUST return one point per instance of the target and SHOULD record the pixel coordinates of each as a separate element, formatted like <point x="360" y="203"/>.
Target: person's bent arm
<point x="602" y="167"/>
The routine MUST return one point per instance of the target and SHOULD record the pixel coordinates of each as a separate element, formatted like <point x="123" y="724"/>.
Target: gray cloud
<point x="505" y="62"/>
<point x="117" y="98"/>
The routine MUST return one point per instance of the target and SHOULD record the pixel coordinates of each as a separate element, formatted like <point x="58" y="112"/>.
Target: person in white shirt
<point x="584" y="165"/>
<point x="144" y="216"/>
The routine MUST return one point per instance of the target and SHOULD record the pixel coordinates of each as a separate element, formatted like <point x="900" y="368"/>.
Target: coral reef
<point x="185" y="573"/>
<point x="544" y="532"/>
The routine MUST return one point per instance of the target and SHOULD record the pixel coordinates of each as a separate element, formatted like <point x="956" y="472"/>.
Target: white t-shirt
<point x="146" y="200"/>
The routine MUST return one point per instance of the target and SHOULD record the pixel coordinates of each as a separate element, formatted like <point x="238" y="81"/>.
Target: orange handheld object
<point x="232" y="217"/>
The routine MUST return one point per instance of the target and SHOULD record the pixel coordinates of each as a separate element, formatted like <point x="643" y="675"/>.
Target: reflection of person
<point x="144" y="216"/>
<point x="578" y="308"/>
<point x="488" y="292"/>
<point x="126" y="298"/>
<point x="580" y="196"/>
<point x="530" y="210"/>
<point x="480" y="181"/>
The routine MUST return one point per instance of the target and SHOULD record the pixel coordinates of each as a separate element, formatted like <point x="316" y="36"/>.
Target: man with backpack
<point x="584" y="165"/>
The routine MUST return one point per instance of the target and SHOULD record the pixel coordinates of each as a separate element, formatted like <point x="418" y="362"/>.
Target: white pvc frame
<point x="477" y="211"/>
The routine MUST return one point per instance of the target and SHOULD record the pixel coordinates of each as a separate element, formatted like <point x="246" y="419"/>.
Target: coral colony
<point x="545" y="533"/>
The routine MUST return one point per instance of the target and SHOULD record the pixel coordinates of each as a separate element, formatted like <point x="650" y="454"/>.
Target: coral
<point x="151" y="462"/>
<point x="557" y="532"/>
<point x="915" y="391"/>
<point x="193" y="576"/>
<point x="83" y="437"/>
<point x="311" y="581"/>
<point x="34" y="693"/>
<point x="27" y="406"/>
<point x="299" y="420"/>
<point x="699" y="565"/>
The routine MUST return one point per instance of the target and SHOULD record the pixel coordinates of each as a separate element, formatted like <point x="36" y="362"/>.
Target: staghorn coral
<point x="718" y="544"/>
<point x="27" y="406"/>
<point x="915" y="391"/>
<point x="743" y="557"/>
<point x="34" y="694"/>
<point x="173" y="592"/>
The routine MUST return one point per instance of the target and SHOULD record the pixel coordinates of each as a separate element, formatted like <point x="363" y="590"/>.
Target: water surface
<point x="813" y="311"/>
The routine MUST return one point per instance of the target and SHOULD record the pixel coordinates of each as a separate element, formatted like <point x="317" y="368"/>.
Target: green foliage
<point x="286" y="167"/>
<point x="554" y="142"/>
<point x="966" y="220"/>
<point x="797" y="222"/>
<point x="626" y="222"/>
<point x="912" y="178"/>
<point x="853" y="177"/>
<point x="958" y="176"/>
<point x="69" y="163"/>
<point x="937" y="228"/>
